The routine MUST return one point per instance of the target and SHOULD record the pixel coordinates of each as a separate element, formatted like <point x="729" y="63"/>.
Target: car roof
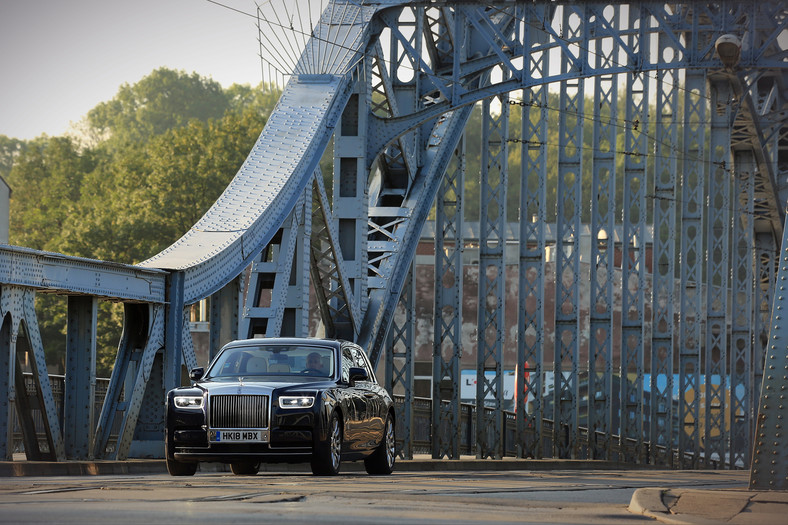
<point x="307" y="341"/>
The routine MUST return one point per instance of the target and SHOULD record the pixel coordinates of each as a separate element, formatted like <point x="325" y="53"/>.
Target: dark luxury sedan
<point x="282" y="400"/>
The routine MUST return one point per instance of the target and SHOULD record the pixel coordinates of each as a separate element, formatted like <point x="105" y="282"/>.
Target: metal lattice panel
<point x="399" y="367"/>
<point x="742" y="316"/>
<point x="533" y="204"/>
<point x="692" y="255"/>
<point x="633" y="258"/>
<point x="397" y="82"/>
<point x="603" y="219"/>
<point x="492" y="279"/>
<point x="717" y="269"/>
<point x="567" y="269"/>
<point x="447" y="345"/>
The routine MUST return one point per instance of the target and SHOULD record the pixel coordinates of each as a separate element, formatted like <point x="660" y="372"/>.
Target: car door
<point x="374" y="417"/>
<point x="355" y="405"/>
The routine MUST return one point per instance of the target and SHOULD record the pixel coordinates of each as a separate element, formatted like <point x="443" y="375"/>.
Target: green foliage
<point x="161" y="101"/>
<point x="171" y="144"/>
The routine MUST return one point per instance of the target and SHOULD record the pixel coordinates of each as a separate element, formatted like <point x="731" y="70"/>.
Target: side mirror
<point x="357" y="374"/>
<point x="195" y="374"/>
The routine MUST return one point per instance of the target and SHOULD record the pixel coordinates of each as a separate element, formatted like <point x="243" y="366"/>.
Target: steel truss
<point x="680" y="278"/>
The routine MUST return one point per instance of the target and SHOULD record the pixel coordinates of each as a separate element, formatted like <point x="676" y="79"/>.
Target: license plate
<point x="239" y="436"/>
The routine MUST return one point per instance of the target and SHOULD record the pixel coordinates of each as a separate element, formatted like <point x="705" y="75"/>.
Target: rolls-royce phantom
<point x="281" y="400"/>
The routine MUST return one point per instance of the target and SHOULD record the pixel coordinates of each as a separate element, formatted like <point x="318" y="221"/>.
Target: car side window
<point x="347" y="362"/>
<point x="360" y="361"/>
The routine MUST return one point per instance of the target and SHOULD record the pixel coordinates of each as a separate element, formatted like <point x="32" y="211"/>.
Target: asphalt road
<point x="566" y="497"/>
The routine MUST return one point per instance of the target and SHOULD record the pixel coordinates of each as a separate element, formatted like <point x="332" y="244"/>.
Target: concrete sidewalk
<point x="700" y="507"/>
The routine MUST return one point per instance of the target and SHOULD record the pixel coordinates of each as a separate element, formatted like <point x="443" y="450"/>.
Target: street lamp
<point x="729" y="50"/>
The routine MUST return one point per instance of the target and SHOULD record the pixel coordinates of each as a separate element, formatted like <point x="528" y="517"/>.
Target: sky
<point x="60" y="58"/>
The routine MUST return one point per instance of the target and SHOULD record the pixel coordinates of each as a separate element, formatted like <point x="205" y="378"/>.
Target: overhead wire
<point x="609" y="121"/>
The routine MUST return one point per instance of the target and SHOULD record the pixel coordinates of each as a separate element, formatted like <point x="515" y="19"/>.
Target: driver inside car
<point x="314" y="363"/>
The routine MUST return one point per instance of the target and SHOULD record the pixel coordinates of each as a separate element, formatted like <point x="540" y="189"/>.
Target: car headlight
<point x="188" y="401"/>
<point x="296" y="401"/>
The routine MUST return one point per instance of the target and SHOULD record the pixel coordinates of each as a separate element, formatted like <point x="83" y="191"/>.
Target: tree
<point x="161" y="101"/>
<point x="46" y="179"/>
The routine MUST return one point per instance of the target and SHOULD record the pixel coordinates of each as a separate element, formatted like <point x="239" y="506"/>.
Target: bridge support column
<point x="692" y="256"/>
<point x="662" y="434"/>
<point x="603" y="223"/>
<point x="492" y="281"/>
<point x="567" y="265"/>
<point x="742" y="315"/>
<point x="80" y="381"/>
<point x="224" y="314"/>
<point x="447" y="344"/>
<point x="715" y="442"/>
<point x="531" y="338"/>
<point x="399" y="365"/>
<point x="7" y="393"/>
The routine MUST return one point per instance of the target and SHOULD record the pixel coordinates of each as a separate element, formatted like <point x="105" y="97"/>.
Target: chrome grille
<point x="238" y="411"/>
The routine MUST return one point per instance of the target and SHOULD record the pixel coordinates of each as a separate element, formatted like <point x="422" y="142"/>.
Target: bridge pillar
<point x="7" y="394"/>
<point x="224" y="319"/>
<point x="80" y="381"/>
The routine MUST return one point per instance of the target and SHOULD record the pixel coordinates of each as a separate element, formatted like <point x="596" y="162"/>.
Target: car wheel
<point x="244" y="468"/>
<point x="328" y="455"/>
<point x="381" y="462"/>
<point x="177" y="468"/>
<point x="181" y="468"/>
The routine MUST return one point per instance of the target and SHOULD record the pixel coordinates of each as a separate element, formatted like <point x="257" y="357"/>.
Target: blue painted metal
<point x="663" y="349"/>
<point x="603" y="222"/>
<point x="407" y="125"/>
<point x="770" y="456"/>
<point x="399" y="367"/>
<point x="54" y="272"/>
<point x="492" y="279"/>
<point x="633" y="252"/>
<point x="80" y="380"/>
<point x="335" y="300"/>
<point x="533" y="216"/>
<point x="7" y="373"/>
<point x="718" y="228"/>
<point x="742" y="314"/>
<point x="692" y="255"/>
<point x="568" y="216"/>
<point x="447" y="343"/>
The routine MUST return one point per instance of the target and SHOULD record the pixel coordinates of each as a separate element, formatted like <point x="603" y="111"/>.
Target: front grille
<point x="238" y="411"/>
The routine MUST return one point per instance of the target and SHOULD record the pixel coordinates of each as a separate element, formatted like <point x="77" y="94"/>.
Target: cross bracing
<point x="648" y="349"/>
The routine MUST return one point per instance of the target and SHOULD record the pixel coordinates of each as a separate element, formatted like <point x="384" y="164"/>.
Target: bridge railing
<point x="422" y="436"/>
<point x="58" y="384"/>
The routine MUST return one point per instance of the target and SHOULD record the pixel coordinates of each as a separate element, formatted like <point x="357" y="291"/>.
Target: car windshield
<point x="273" y="360"/>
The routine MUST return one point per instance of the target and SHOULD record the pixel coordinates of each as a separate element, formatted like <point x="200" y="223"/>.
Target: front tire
<point x="245" y="468"/>
<point x="181" y="468"/>
<point x="174" y="467"/>
<point x="381" y="462"/>
<point x="327" y="457"/>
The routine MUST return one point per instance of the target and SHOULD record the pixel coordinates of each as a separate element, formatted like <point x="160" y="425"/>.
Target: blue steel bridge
<point x="688" y="103"/>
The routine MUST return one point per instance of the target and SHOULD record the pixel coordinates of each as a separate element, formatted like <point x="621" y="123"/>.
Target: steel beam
<point x="531" y="330"/>
<point x="603" y="224"/>
<point x="692" y="256"/>
<point x="718" y="230"/>
<point x="633" y="249"/>
<point x="568" y="217"/>
<point x="492" y="280"/>
<point x="80" y="381"/>
<point x="447" y="345"/>
<point x="399" y="366"/>
<point x="742" y="398"/>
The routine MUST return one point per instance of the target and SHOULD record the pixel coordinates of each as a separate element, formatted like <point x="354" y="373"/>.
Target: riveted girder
<point x="652" y="168"/>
